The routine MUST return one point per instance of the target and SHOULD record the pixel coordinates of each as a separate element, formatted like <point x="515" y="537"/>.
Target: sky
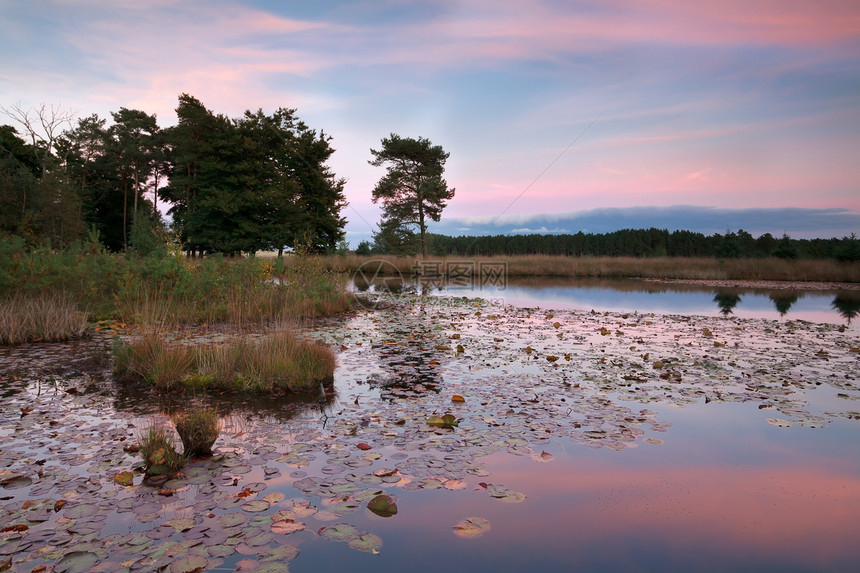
<point x="559" y="116"/>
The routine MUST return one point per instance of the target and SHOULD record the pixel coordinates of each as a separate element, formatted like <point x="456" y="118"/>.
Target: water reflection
<point x="847" y="304"/>
<point x="783" y="301"/>
<point x="649" y="296"/>
<point x="726" y="302"/>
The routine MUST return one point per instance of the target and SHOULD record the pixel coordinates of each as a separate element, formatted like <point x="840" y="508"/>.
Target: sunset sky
<point x="559" y="116"/>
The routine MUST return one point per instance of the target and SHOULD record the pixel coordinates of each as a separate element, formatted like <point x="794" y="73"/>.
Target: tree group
<point x="257" y="182"/>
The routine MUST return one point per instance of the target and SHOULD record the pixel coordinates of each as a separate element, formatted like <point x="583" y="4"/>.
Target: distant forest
<point x="633" y="243"/>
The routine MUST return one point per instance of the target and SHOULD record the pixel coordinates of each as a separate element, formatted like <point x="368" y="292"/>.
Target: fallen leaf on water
<point x="14" y="528"/>
<point x="123" y="478"/>
<point x="364" y="446"/>
<point x="457" y="398"/>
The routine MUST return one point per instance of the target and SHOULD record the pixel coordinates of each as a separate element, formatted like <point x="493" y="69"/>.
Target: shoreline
<point x="761" y="284"/>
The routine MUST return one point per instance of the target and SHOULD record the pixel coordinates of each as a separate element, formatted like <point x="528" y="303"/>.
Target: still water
<point x="630" y="439"/>
<point x="827" y="306"/>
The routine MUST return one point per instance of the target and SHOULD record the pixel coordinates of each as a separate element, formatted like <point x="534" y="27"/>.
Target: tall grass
<point x="281" y="360"/>
<point x="150" y="359"/>
<point x="49" y="317"/>
<point x="825" y="270"/>
<point x="170" y="290"/>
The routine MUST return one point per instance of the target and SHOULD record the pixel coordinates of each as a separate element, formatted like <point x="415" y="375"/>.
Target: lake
<point x="632" y="295"/>
<point x="508" y="438"/>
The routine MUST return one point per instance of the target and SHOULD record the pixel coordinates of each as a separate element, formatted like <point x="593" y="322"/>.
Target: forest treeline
<point x="631" y="243"/>
<point x="240" y="185"/>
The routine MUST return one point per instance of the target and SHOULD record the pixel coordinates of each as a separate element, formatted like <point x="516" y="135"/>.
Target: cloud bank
<point x="797" y="222"/>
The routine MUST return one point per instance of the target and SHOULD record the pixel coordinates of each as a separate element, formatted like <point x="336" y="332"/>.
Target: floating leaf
<point x="16" y="482"/>
<point x="287" y="526"/>
<point x="446" y="421"/>
<point x="471" y="527"/>
<point x="76" y="562"/>
<point x="457" y="398"/>
<point x="367" y="542"/>
<point x="189" y="564"/>
<point x="82" y="510"/>
<point x="339" y="532"/>
<point x="364" y="446"/>
<point x="281" y="553"/>
<point x="14" y="528"/>
<point x="181" y="524"/>
<point x="383" y="506"/>
<point x="256" y="506"/>
<point x="543" y="457"/>
<point x="124" y="478"/>
<point x="232" y="519"/>
<point x="273" y="497"/>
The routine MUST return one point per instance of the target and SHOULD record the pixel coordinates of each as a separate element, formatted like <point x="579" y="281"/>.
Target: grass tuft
<point x="40" y="318"/>
<point x="198" y="429"/>
<point x="159" y="453"/>
<point x="282" y="360"/>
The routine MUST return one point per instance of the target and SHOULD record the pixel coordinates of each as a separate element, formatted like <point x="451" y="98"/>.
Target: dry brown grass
<point x="624" y="267"/>
<point x="280" y="360"/>
<point x="37" y="318"/>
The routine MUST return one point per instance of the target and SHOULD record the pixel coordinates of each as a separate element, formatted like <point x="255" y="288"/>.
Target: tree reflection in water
<point x="726" y="302"/>
<point x="847" y="304"/>
<point x="783" y="301"/>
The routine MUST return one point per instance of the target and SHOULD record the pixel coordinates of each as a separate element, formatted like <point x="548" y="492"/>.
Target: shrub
<point x="198" y="429"/>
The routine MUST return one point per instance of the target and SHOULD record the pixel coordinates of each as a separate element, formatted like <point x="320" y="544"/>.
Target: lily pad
<point x="287" y="526"/>
<point x="339" y="532"/>
<point x="76" y="562"/>
<point x="256" y="506"/>
<point x="383" y="506"/>
<point x="471" y="527"/>
<point x="367" y="542"/>
<point x="190" y="564"/>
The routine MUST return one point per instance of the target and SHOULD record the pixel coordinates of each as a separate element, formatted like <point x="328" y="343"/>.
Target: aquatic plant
<point x="198" y="429"/>
<point x="159" y="452"/>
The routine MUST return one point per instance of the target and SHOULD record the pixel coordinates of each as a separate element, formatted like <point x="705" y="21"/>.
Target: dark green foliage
<point x="236" y="185"/>
<point x="412" y="191"/>
<point x="849" y="250"/>
<point x="253" y="183"/>
<point x="364" y="248"/>
<point x="143" y="240"/>
<point x="635" y="243"/>
<point x="785" y="248"/>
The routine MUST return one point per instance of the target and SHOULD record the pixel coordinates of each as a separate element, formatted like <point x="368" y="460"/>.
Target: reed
<point x="40" y="318"/>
